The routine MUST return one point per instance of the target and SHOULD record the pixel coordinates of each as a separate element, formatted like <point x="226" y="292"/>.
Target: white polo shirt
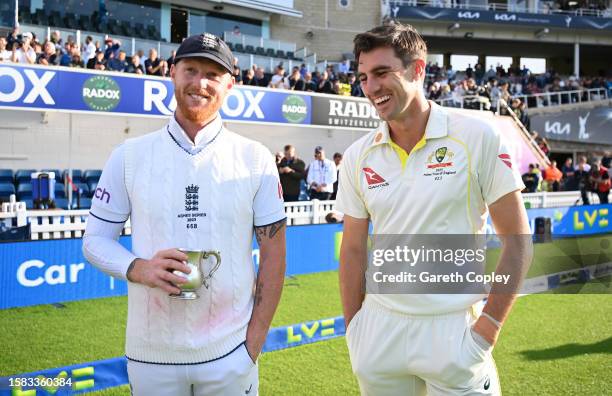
<point x="322" y="172"/>
<point x="443" y="186"/>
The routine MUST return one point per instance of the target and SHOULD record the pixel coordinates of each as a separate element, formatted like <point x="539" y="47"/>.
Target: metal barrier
<point x="546" y="99"/>
<point x="538" y="8"/>
<point x="58" y="224"/>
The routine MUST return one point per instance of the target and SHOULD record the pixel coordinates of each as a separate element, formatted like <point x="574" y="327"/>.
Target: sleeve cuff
<point x="498" y="194"/>
<point x="352" y="213"/>
<point x="269" y="219"/>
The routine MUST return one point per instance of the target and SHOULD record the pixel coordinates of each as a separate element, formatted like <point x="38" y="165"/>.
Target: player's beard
<point x="197" y="114"/>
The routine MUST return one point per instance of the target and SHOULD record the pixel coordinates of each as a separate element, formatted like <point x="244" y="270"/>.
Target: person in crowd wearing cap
<point x="321" y="176"/>
<point x="112" y="48"/>
<point x="195" y="185"/>
<point x="292" y="171"/>
<point x="25" y="53"/>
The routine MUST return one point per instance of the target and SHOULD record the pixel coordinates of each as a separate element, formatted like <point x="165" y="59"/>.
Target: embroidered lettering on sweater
<point x="191" y="213"/>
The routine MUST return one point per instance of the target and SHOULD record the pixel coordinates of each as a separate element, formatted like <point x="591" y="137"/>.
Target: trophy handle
<point x="206" y="255"/>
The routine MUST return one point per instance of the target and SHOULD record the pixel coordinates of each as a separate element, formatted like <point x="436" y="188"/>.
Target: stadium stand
<point x="24" y="191"/>
<point x="6" y="190"/>
<point x="6" y="176"/>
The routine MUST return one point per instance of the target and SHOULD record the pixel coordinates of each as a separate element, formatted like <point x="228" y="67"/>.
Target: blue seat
<point x="91" y="175"/>
<point x="29" y="203"/>
<point x="24" y="175"/>
<point x="84" y="187"/>
<point x="6" y="189"/>
<point x="92" y="188"/>
<point x="24" y="191"/>
<point x="61" y="203"/>
<point x="7" y="176"/>
<point x="84" y="204"/>
<point x="77" y="175"/>
<point x="59" y="190"/>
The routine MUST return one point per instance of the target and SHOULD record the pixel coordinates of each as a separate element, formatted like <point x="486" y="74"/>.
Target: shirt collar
<point x="202" y="138"/>
<point x="437" y="126"/>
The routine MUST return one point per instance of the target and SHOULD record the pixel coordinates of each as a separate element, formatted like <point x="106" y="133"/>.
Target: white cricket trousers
<point x="231" y="375"/>
<point x="395" y="354"/>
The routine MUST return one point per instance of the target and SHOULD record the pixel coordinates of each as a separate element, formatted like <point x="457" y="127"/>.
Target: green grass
<point x="563" y="254"/>
<point x="552" y="344"/>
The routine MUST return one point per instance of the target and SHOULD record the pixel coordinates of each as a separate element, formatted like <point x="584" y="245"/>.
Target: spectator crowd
<point x="317" y="180"/>
<point x="474" y="87"/>
<point x="589" y="179"/>
<point x="478" y="88"/>
<point x="27" y="49"/>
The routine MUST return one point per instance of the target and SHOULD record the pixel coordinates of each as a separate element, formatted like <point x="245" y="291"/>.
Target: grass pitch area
<point x="552" y="344"/>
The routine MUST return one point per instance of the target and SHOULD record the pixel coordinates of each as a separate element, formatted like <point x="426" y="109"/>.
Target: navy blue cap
<point x="207" y="46"/>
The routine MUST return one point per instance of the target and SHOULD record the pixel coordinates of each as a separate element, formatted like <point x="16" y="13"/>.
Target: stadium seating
<point x="86" y="23"/>
<point x="24" y="15"/>
<point x="70" y="20"/>
<point x="59" y="190"/>
<point x="92" y="175"/>
<point x="77" y="175"/>
<point x="92" y="188"/>
<point x="24" y="175"/>
<point x="24" y="191"/>
<point x="6" y="189"/>
<point x="61" y="203"/>
<point x="7" y="176"/>
<point x="85" y="203"/>
<point x="83" y="187"/>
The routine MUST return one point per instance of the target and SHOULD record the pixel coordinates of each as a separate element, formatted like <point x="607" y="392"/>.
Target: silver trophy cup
<point x="201" y="272"/>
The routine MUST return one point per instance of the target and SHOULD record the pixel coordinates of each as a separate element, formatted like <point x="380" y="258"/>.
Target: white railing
<point x="58" y="224"/>
<point x="546" y="99"/>
<point x="540" y="8"/>
<point x="129" y="44"/>
<point x="258" y="41"/>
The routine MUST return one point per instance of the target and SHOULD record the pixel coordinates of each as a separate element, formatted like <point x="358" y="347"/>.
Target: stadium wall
<point x="333" y="27"/>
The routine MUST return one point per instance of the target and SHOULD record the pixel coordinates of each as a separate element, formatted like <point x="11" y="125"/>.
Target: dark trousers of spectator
<point x="322" y="196"/>
<point x="603" y="196"/>
<point x="291" y="198"/>
<point x="555" y="186"/>
<point x="585" y="197"/>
